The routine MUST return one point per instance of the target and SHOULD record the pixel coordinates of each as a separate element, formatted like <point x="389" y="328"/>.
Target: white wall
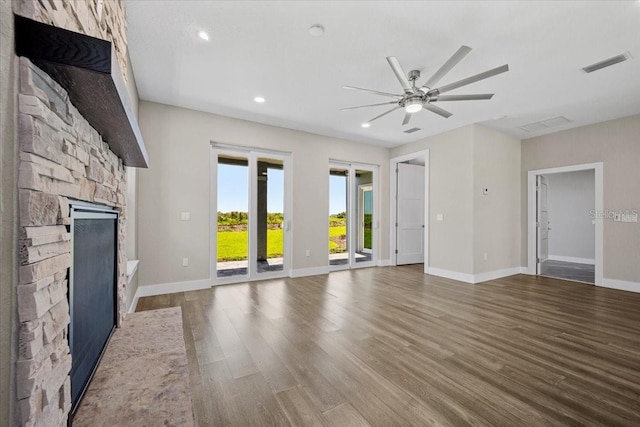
<point x="615" y="144"/>
<point x="178" y="142"/>
<point x="571" y="199"/>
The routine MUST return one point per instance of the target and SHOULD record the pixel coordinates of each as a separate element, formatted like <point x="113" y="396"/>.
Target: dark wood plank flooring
<point x="392" y="346"/>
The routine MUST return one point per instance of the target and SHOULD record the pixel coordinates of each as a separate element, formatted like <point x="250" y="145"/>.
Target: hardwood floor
<point x="392" y="346"/>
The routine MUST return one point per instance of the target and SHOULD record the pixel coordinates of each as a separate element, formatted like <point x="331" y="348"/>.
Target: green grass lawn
<point x="234" y="245"/>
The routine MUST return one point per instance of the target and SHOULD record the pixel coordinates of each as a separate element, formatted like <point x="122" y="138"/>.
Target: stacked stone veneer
<point x="61" y="157"/>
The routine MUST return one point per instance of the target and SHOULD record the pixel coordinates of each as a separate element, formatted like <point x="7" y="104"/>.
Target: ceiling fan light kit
<point x="413" y="105"/>
<point x="415" y="98"/>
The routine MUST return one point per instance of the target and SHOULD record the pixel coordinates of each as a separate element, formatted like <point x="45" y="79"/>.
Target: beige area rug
<point x="143" y="378"/>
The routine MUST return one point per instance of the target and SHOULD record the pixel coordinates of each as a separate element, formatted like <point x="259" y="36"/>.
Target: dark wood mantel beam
<point x="86" y="67"/>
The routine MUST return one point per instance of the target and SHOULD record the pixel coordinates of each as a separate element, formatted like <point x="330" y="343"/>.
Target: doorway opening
<point x="352" y="215"/>
<point x="409" y="208"/>
<point x="564" y="230"/>
<point x="250" y="207"/>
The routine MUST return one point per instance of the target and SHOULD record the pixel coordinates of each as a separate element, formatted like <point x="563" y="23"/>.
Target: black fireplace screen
<point x="92" y="294"/>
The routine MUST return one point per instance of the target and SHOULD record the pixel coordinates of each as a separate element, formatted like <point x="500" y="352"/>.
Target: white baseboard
<point x="591" y="261"/>
<point x="448" y="274"/>
<point x="496" y="274"/>
<point x="383" y="263"/>
<point x="171" y="288"/>
<point x="134" y="303"/>
<point x="475" y="278"/>
<point x="313" y="271"/>
<point x="622" y="285"/>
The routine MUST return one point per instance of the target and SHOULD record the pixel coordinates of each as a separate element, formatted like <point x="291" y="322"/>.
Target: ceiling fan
<point x="416" y="98"/>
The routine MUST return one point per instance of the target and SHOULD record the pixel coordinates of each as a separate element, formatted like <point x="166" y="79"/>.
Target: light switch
<point x="485" y="191"/>
<point x="439" y="217"/>
<point x="185" y="216"/>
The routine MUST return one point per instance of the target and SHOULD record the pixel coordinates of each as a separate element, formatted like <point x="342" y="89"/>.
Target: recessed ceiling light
<point x="365" y="125"/>
<point x="316" y="30"/>
<point x="203" y="35"/>
<point x="259" y="99"/>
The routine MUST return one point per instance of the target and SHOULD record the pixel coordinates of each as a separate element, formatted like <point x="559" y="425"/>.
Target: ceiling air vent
<point x="545" y="124"/>
<point x="606" y="63"/>
<point x="412" y="130"/>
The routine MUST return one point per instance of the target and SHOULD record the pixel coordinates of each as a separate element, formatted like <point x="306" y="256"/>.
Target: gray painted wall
<point x="571" y="198"/>
<point x="461" y="163"/>
<point x="615" y="143"/>
<point x="450" y="194"/>
<point x="178" y="142"/>
<point x="496" y="215"/>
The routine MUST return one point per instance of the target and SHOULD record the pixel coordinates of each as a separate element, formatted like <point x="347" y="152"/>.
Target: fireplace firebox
<point x="92" y="290"/>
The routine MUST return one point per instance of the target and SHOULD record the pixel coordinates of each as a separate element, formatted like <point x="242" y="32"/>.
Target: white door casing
<point x="542" y="224"/>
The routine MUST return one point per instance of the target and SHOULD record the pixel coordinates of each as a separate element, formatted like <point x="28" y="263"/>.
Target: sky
<point x="233" y="190"/>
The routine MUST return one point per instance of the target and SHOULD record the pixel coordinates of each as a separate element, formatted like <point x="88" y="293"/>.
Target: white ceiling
<point x="264" y="49"/>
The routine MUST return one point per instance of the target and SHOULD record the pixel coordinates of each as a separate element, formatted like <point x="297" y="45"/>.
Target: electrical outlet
<point x="485" y="256"/>
<point x="185" y="262"/>
<point x="185" y="216"/>
<point x="485" y="191"/>
<point x="308" y="252"/>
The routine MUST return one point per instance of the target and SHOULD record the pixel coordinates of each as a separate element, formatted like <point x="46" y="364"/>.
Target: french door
<point x="353" y="218"/>
<point x="250" y="225"/>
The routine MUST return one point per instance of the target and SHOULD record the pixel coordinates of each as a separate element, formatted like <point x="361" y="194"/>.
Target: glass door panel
<point x="352" y="216"/>
<point x="364" y="231"/>
<point x="365" y="223"/>
<point x="232" y="248"/>
<point x="251" y="202"/>
<point x="338" y="216"/>
<point x="270" y="222"/>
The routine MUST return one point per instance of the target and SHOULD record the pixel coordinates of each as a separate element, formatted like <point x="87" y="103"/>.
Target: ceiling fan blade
<point x="407" y="117"/>
<point x="400" y="74"/>
<point x="477" y="97"/>
<point x="469" y="80"/>
<point x="447" y="66"/>
<point x="365" y="106"/>
<point x="439" y="111"/>
<point x="371" y="91"/>
<point x="384" y="114"/>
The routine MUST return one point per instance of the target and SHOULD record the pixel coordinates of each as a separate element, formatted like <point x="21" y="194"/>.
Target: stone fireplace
<point x="61" y="159"/>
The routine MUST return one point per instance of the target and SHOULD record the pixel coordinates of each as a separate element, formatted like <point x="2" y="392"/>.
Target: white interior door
<point x="542" y="224"/>
<point x="410" y="214"/>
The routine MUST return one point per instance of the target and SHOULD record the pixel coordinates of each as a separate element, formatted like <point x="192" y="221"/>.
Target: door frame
<point x="393" y="182"/>
<point x="532" y="206"/>
<point x="361" y="191"/>
<point x="252" y="153"/>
